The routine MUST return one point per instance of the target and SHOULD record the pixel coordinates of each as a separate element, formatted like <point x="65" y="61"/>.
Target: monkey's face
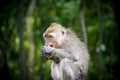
<point x="54" y="35"/>
<point x="54" y="39"/>
<point x="50" y="40"/>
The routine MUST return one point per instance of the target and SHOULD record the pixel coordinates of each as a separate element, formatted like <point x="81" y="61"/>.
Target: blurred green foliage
<point x="65" y="12"/>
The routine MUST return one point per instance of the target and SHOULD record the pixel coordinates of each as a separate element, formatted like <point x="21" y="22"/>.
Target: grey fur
<point x="73" y="55"/>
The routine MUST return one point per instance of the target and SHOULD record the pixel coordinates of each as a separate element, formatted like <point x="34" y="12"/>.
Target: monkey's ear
<point x="63" y="32"/>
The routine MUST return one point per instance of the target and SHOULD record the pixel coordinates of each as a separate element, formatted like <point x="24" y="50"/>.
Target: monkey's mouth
<point x="51" y="45"/>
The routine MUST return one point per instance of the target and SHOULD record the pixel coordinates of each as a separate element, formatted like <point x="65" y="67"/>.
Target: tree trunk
<point x="30" y="38"/>
<point x="22" y="61"/>
<point x="116" y="71"/>
<point x="82" y="22"/>
<point x="4" y="48"/>
<point x="99" y="56"/>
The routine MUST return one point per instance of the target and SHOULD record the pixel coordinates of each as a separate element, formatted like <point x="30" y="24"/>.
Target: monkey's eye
<point x="48" y="36"/>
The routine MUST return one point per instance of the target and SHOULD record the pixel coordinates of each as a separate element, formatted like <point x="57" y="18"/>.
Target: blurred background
<point x="22" y="23"/>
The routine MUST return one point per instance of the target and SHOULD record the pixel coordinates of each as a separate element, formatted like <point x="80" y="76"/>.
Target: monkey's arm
<point x="60" y="53"/>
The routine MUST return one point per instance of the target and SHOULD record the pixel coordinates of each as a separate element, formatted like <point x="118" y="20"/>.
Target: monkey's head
<point x="54" y="35"/>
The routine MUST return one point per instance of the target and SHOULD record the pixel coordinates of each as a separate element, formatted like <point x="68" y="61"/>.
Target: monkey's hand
<point x="46" y="49"/>
<point x="45" y="55"/>
<point x="47" y="52"/>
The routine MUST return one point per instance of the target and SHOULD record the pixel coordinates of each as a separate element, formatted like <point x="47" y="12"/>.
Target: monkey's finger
<point x="46" y="56"/>
<point x="43" y="49"/>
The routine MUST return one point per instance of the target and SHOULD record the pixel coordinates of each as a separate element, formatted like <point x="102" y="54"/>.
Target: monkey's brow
<point x="51" y="29"/>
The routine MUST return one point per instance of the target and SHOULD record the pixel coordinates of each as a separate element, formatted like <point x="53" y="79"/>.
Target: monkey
<point x="72" y="56"/>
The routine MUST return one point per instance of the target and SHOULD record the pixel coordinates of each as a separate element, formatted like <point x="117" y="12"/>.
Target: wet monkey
<point x="69" y="55"/>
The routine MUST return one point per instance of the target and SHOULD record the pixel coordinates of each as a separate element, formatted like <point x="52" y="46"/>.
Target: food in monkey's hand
<point x="46" y="55"/>
<point x="49" y="56"/>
